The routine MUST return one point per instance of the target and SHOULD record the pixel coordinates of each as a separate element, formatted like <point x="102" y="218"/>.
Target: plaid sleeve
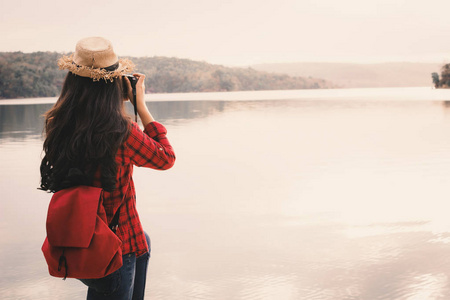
<point x="150" y="148"/>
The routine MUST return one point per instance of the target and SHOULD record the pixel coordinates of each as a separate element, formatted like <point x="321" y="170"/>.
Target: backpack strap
<point x="115" y="221"/>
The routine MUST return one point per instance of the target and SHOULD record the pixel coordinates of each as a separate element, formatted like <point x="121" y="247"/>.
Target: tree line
<point x="25" y="75"/>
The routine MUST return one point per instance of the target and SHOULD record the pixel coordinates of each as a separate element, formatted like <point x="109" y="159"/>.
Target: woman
<point x="90" y="141"/>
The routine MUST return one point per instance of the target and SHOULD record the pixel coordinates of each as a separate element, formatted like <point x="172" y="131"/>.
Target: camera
<point x="133" y="80"/>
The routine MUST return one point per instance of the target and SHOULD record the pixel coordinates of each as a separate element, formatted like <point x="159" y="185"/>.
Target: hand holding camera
<point x="135" y="86"/>
<point x="136" y="91"/>
<point x="133" y="80"/>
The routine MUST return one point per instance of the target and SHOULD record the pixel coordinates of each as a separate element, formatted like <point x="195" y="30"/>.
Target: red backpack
<point x="79" y="242"/>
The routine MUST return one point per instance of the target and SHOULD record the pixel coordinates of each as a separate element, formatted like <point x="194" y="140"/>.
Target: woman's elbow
<point x="170" y="161"/>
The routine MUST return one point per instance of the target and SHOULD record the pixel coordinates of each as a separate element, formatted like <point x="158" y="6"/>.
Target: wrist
<point x="140" y="105"/>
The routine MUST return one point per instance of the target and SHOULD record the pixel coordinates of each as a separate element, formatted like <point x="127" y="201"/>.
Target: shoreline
<point x="398" y="94"/>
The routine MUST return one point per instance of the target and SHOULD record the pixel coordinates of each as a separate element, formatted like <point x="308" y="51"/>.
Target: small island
<point x="444" y="81"/>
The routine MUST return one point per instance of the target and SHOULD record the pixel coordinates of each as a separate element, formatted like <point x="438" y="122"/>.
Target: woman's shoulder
<point x="134" y="131"/>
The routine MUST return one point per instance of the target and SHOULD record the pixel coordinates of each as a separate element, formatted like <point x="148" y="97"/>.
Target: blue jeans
<point x="127" y="283"/>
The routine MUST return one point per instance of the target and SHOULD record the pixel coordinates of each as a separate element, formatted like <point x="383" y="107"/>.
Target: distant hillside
<point x="402" y="74"/>
<point x="36" y="74"/>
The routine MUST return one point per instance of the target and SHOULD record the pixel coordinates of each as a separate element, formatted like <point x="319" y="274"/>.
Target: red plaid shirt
<point x="150" y="149"/>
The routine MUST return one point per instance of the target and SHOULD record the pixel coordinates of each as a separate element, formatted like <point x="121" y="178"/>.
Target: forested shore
<point x="25" y="75"/>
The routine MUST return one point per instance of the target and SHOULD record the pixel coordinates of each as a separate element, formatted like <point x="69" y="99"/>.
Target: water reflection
<point x="181" y="110"/>
<point x="21" y="121"/>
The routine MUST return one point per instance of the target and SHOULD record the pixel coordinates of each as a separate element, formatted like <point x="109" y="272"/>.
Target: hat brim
<point x="66" y="63"/>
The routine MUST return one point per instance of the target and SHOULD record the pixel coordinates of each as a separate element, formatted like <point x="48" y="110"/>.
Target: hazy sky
<point x="237" y="32"/>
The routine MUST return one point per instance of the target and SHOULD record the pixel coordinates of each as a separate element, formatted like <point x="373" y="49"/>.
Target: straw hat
<point x="94" y="57"/>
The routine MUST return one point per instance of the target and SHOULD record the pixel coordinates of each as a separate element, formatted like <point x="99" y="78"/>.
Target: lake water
<point x="323" y="195"/>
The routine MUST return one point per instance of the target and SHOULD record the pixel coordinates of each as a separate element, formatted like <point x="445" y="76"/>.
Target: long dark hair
<point x="84" y="130"/>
